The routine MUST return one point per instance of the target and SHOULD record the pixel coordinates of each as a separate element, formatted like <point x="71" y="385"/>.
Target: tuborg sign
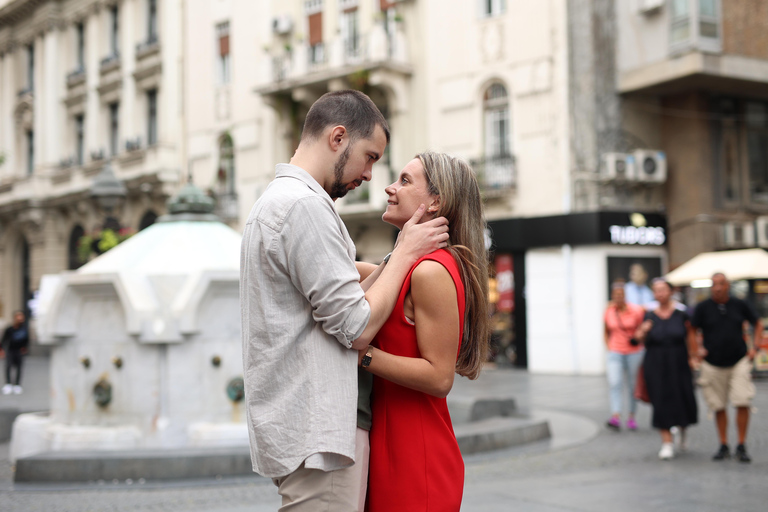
<point x="639" y="233"/>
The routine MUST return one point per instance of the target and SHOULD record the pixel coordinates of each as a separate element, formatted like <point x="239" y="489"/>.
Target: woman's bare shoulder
<point x="429" y="270"/>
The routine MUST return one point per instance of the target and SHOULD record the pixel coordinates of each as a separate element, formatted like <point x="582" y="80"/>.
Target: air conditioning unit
<point x="739" y="234"/>
<point x="761" y="227"/>
<point x="649" y="6"/>
<point x="282" y="25"/>
<point x="650" y="165"/>
<point x="619" y="166"/>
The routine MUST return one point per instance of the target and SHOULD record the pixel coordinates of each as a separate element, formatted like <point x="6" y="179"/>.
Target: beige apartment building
<point x="605" y="133"/>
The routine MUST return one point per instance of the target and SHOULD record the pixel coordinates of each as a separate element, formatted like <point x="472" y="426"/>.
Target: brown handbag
<point x="641" y="390"/>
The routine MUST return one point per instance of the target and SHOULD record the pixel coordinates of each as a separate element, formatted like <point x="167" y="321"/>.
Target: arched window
<point x="73" y="255"/>
<point x="147" y="220"/>
<point x="226" y="173"/>
<point x="496" y="119"/>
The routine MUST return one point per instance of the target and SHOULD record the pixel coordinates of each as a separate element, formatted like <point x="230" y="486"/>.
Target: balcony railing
<point x="316" y="54"/>
<point x="281" y="67"/>
<point x="495" y="175"/>
<point x="151" y="45"/>
<point x="373" y="48"/>
<point x="110" y="61"/>
<point x="76" y="77"/>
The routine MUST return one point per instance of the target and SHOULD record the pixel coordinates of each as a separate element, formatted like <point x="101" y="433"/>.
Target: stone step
<point x="166" y="464"/>
<point x="469" y="409"/>
<point x="186" y="463"/>
<point x="500" y="432"/>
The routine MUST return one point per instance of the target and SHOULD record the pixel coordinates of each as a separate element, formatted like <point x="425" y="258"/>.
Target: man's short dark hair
<point x="349" y="108"/>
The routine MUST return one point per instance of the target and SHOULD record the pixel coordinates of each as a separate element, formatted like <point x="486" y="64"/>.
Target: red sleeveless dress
<point x="415" y="463"/>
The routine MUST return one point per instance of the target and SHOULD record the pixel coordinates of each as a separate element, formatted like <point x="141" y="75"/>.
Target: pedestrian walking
<point x="15" y="342"/>
<point x="726" y="371"/>
<point x="667" y="334"/>
<point x="439" y="327"/>
<point x="625" y="355"/>
<point x="303" y="309"/>
<point x="636" y="290"/>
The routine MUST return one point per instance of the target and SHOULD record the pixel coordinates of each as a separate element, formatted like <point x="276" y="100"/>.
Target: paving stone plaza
<point x="584" y="467"/>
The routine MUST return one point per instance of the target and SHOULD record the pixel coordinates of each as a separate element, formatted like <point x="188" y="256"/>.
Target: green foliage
<point x="84" y="248"/>
<point x="108" y="240"/>
<point x="100" y="242"/>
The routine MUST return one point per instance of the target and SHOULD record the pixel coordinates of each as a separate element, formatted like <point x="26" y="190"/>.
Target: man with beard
<point x="305" y="314"/>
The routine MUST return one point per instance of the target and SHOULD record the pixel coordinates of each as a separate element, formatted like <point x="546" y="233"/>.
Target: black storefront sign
<point x="589" y="228"/>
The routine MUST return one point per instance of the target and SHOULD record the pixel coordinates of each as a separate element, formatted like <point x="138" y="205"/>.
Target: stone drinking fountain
<point x="145" y="343"/>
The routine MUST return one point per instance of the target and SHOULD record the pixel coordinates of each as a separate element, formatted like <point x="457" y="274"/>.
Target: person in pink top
<point x="625" y="354"/>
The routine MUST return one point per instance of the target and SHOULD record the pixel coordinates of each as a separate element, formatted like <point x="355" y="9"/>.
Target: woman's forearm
<point x="411" y="372"/>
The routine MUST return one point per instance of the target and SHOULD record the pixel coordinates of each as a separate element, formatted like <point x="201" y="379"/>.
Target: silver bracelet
<point x="386" y="258"/>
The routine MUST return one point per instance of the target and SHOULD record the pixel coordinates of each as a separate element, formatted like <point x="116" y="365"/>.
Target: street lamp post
<point x="106" y="189"/>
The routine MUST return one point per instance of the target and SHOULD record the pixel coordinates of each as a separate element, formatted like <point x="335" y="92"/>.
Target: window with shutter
<point x="315" y="28"/>
<point x="222" y="34"/>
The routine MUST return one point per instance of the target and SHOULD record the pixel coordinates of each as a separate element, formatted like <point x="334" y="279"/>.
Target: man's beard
<point x="339" y="188"/>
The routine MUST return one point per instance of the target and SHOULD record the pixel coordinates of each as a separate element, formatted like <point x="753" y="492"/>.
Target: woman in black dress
<point x="667" y="367"/>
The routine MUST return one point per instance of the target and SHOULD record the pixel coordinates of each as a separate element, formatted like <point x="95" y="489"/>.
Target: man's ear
<point x="337" y="136"/>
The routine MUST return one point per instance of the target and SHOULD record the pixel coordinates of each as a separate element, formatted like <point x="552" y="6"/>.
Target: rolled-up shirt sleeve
<point x="320" y="266"/>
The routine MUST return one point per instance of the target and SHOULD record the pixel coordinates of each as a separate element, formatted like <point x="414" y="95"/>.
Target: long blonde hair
<point x="455" y="182"/>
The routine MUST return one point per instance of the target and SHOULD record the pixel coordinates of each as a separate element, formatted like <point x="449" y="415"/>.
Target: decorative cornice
<point x="16" y="10"/>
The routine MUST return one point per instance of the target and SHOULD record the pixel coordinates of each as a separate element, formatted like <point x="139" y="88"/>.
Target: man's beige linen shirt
<point x="301" y="308"/>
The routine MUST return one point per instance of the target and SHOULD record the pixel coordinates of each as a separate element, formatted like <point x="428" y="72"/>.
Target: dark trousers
<point x="13" y="359"/>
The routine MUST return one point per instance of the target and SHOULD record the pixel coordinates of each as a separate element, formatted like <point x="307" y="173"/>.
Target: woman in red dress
<point x="439" y="327"/>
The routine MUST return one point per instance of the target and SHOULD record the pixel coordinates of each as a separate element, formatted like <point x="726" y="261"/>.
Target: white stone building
<point x="82" y="82"/>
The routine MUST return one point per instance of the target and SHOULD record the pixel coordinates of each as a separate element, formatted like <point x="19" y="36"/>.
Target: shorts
<point x="730" y="384"/>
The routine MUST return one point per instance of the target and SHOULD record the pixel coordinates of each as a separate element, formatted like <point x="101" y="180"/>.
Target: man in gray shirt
<point x="305" y="314"/>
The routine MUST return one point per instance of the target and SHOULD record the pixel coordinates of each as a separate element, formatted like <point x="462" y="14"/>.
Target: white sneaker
<point x="17" y="390"/>
<point x="7" y="389"/>
<point x="667" y="451"/>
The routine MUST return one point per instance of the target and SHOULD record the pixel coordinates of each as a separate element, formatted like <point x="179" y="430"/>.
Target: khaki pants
<point x="722" y="385"/>
<point x="314" y="490"/>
